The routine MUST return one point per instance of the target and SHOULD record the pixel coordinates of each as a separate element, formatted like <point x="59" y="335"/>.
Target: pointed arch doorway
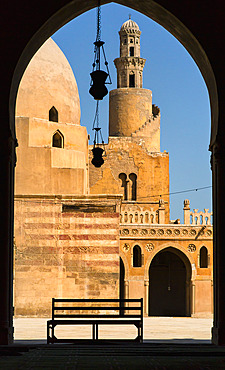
<point x="169" y="284"/>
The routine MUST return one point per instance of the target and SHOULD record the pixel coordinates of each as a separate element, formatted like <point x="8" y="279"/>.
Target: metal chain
<point x="98" y="37"/>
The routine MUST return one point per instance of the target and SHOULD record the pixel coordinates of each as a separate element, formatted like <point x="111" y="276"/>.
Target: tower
<point x="131" y="113"/>
<point x="134" y="165"/>
<point x="129" y="65"/>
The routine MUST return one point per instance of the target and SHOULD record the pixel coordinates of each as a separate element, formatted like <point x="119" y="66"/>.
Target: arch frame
<point x="55" y="16"/>
<point x="190" y="274"/>
<point x="151" y="9"/>
<point x="178" y="248"/>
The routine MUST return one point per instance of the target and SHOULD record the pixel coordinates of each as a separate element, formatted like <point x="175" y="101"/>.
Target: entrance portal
<point x="169" y="282"/>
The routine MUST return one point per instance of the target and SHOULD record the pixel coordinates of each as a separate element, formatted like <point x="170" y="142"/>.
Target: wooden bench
<point x="83" y="312"/>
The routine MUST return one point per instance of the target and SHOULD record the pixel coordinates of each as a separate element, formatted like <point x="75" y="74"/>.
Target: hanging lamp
<point x="98" y="90"/>
<point x="99" y="145"/>
<point x="98" y="76"/>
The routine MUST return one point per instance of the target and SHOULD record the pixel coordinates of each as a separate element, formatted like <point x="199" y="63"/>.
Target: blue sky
<point x="177" y="88"/>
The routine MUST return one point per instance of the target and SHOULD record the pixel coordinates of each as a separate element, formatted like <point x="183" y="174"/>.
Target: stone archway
<point x="169" y="284"/>
<point x="45" y="20"/>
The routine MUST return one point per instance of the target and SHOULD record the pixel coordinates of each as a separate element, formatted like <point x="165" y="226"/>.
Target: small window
<point x="58" y="140"/>
<point x="133" y="178"/>
<point x="131" y="51"/>
<point x="131" y="41"/>
<point x="132" y="80"/>
<point x="123" y="178"/>
<point x="203" y="257"/>
<point x="53" y="115"/>
<point x="137" y="256"/>
<point x="125" y="41"/>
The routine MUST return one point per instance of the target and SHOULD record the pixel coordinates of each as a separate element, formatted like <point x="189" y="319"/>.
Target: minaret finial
<point x="129" y="16"/>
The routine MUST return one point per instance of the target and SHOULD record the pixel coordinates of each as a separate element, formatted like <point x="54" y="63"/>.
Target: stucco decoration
<point x="191" y="248"/>
<point x="126" y="247"/>
<point x="49" y="82"/>
<point x="149" y="247"/>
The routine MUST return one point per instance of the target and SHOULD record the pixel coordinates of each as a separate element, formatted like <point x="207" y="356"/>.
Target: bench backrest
<point x="97" y="308"/>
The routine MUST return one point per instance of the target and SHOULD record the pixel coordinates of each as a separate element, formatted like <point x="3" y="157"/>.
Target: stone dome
<point x="49" y="82"/>
<point x="129" y="25"/>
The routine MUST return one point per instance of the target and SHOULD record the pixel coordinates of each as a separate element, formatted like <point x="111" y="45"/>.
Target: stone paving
<point x="170" y="343"/>
<point x="155" y="328"/>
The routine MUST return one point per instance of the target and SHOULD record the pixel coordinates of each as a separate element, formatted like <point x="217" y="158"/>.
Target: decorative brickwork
<point x="64" y="254"/>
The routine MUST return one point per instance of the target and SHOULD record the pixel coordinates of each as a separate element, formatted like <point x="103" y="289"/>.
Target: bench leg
<point x="139" y="332"/>
<point x="96" y="332"/>
<point x="48" y="333"/>
<point x="93" y="331"/>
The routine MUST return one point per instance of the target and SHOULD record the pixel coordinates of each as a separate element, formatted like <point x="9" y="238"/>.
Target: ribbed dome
<point x="131" y="25"/>
<point x="49" y="82"/>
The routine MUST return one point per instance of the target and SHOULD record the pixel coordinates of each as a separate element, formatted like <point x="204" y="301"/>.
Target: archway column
<point x="7" y="154"/>
<point x="192" y="298"/>
<point x="126" y="292"/>
<point x="146" y="297"/>
<point x="218" y="171"/>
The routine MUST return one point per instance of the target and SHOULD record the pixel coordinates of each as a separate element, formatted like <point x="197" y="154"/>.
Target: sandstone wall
<point x="43" y="169"/>
<point x="65" y="248"/>
<point x="125" y="155"/>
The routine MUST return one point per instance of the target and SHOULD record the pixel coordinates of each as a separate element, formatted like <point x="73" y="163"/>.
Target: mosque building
<point x="86" y="232"/>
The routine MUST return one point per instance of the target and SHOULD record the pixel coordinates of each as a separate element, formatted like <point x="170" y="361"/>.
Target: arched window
<point x="131" y="51"/>
<point x="133" y="178"/>
<point x="137" y="256"/>
<point x="58" y="140"/>
<point x="131" y="80"/>
<point x="123" y="178"/>
<point x="203" y="257"/>
<point x="53" y="114"/>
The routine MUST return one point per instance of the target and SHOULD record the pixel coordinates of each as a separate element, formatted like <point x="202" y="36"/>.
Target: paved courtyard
<point x="170" y="343"/>
<point x="182" y="329"/>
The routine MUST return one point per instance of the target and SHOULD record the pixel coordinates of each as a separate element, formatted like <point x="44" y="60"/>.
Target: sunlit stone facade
<point x="86" y="232"/>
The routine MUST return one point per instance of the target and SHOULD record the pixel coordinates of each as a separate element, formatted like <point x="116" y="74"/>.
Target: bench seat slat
<point x="96" y="316"/>
<point x="93" y="321"/>
<point x="95" y="300"/>
<point x="92" y="308"/>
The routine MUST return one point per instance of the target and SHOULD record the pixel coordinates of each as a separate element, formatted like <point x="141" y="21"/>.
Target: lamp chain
<point x="98" y="36"/>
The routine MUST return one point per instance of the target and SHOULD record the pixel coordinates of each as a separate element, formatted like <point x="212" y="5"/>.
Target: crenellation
<point x="196" y="217"/>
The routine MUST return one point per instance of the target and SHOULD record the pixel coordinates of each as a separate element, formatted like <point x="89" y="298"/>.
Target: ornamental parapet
<point x="168" y="231"/>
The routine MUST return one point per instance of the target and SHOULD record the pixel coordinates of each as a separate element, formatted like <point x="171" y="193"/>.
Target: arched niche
<point x="137" y="256"/>
<point x="133" y="178"/>
<point x="53" y="114"/>
<point x="123" y="178"/>
<point x="203" y="257"/>
<point x="58" y="140"/>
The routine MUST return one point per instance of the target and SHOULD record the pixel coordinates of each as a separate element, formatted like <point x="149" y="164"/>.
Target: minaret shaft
<point x="129" y="65"/>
